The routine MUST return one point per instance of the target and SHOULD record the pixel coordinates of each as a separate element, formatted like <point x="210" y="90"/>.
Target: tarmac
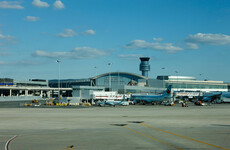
<point x="133" y="127"/>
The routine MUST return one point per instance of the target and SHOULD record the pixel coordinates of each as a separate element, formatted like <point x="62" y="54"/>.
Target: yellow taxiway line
<point x="184" y="137"/>
<point x="152" y="138"/>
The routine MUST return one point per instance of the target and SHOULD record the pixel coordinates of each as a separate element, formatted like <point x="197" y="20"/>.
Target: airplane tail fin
<point x="168" y="91"/>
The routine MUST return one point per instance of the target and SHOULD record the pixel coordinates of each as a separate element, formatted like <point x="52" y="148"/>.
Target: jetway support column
<point x="48" y="94"/>
<point x="41" y="94"/>
<point x="26" y="92"/>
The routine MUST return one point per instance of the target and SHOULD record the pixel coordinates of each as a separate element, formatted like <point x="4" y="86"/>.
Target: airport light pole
<point x="118" y="78"/>
<point x="109" y="75"/>
<point x="94" y="74"/>
<point x="58" y="61"/>
<point x="163" y="77"/>
<point x="200" y="84"/>
<point x="95" y="67"/>
<point x="177" y="79"/>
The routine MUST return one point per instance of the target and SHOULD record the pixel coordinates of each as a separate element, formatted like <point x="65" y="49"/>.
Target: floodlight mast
<point x="58" y="61"/>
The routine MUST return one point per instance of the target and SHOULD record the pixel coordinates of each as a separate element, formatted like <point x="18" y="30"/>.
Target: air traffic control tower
<point x="144" y="66"/>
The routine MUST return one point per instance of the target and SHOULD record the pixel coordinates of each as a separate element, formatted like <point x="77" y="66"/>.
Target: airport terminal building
<point x="120" y="82"/>
<point x="128" y="83"/>
<point x="132" y="83"/>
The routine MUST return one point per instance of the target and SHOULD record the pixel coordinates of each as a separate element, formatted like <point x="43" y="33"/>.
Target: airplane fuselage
<point x="153" y="98"/>
<point x="149" y="98"/>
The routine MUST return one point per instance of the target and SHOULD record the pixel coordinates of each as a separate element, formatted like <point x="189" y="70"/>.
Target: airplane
<point x="152" y="98"/>
<point x="113" y="103"/>
<point x="225" y="97"/>
<point x="210" y="97"/>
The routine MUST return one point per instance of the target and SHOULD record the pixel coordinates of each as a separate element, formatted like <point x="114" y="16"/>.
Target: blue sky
<point x="188" y="36"/>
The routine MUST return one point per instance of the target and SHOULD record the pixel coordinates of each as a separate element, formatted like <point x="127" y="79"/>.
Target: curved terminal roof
<point x="120" y="73"/>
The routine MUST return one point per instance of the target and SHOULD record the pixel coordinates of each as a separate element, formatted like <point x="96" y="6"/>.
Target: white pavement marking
<point x="8" y="142"/>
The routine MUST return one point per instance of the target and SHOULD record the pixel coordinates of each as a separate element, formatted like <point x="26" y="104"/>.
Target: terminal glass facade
<point x="187" y="83"/>
<point x="197" y="86"/>
<point x="116" y="79"/>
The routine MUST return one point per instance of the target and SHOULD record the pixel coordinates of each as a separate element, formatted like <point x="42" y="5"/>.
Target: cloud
<point x="157" y="39"/>
<point x="67" y="33"/>
<point x="192" y="45"/>
<point x="89" y="32"/>
<point x="131" y="56"/>
<point x="4" y="54"/>
<point x="58" y="4"/>
<point x="27" y="62"/>
<point x="11" y="5"/>
<point x="208" y="39"/>
<point x="20" y="63"/>
<point x="6" y="37"/>
<point x="39" y="3"/>
<point x="32" y="18"/>
<point x="142" y="44"/>
<point x="76" y="53"/>
<point x="2" y="63"/>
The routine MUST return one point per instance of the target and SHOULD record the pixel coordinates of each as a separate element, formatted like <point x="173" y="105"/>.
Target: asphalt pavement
<point x="111" y="128"/>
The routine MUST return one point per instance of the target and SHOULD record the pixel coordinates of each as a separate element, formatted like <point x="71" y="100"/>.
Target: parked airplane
<point x="113" y="103"/>
<point x="225" y="97"/>
<point x="211" y="97"/>
<point x="152" y="98"/>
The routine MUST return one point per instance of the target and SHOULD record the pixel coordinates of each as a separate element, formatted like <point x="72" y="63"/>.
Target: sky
<point x="191" y="37"/>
